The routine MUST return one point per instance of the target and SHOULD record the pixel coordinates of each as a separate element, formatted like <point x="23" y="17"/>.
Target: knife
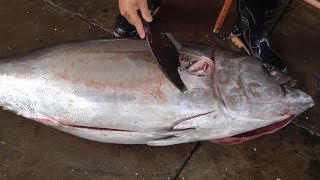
<point x="166" y="52"/>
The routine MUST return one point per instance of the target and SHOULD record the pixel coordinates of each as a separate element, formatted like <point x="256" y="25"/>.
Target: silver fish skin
<point x="112" y="91"/>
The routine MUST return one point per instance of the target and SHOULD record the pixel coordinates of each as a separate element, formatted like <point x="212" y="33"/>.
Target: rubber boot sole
<point x="116" y="34"/>
<point x="119" y="35"/>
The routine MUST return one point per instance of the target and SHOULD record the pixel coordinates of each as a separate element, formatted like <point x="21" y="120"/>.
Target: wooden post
<point x="223" y="13"/>
<point x="314" y="3"/>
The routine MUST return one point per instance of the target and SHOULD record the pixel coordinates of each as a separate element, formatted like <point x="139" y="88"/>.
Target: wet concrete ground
<point x="29" y="150"/>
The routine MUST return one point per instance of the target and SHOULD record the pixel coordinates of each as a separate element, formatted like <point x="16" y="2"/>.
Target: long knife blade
<point x="167" y="57"/>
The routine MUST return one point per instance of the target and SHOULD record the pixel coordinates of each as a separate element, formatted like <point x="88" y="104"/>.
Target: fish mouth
<point x="243" y="137"/>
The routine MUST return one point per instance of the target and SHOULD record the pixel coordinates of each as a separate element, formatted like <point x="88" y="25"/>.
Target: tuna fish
<point x="112" y="91"/>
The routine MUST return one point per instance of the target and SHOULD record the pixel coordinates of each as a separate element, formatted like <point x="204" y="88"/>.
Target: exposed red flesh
<point x="45" y="121"/>
<point x="97" y="128"/>
<point x="206" y="66"/>
<point x="50" y="122"/>
<point x="243" y="137"/>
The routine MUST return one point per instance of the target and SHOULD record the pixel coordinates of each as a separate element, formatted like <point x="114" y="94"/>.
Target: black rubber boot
<point x="251" y="32"/>
<point x="124" y="29"/>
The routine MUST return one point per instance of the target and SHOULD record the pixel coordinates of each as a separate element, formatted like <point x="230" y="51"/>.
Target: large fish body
<point x="112" y="91"/>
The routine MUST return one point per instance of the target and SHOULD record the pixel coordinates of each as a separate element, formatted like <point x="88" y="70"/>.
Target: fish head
<point x="263" y="103"/>
<point x="250" y="102"/>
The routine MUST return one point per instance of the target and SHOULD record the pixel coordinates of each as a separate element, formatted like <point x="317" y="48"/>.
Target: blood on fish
<point x="96" y="128"/>
<point x="45" y="121"/>
<point x="158" y="94"/>
<point x="243" y="137"/>
<point x="202" y="67"/>
<point x="50" y="122"/>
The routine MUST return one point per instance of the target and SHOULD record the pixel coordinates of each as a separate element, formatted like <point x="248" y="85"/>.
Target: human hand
<point x="129" y="8"/>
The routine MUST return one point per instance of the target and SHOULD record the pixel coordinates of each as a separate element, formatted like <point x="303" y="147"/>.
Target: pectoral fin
<point x="194" y="129"/>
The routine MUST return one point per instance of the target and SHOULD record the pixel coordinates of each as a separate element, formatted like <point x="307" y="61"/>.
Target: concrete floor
<point x="29" y="150"/>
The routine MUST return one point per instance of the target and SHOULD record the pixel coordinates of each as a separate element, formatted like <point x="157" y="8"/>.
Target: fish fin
<point x="201" y="121"/>
<point x="166" y="142"/>
<point x="172" y="138"/>
<point x="191" y="130"/>
<point x="182" y="136"/>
